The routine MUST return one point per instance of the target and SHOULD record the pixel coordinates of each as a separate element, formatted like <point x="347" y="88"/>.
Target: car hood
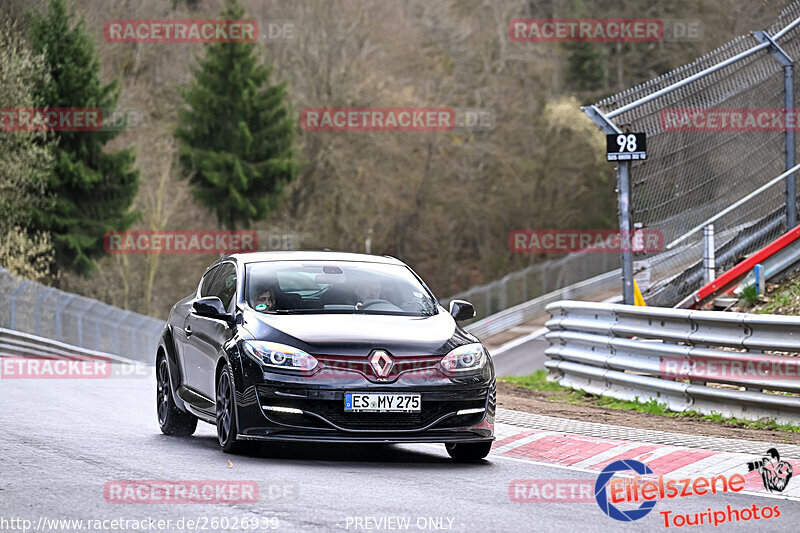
<point x="360" y="333"/>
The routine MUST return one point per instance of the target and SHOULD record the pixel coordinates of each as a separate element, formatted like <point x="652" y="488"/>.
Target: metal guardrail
<point x="531" y="309"/>
<point x="15" y="343"/>
<point x="623" y="351"/>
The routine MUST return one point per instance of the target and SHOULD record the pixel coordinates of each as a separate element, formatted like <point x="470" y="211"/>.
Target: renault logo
<point x="381" y="363"/>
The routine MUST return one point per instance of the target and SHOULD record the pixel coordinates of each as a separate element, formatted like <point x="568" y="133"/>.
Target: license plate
<point x="368" y="402"/>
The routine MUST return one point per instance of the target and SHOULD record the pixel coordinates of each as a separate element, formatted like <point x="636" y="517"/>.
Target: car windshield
<point x="336" y="287"/>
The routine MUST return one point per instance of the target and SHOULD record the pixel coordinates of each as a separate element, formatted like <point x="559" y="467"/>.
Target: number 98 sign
<point x="626" y="147"/>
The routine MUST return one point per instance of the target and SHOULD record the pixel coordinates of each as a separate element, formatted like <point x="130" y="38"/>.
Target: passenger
<point x="368" y="290"/>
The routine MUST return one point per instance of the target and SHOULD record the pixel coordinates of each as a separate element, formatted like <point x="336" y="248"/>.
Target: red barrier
<point x="725" y="281"/>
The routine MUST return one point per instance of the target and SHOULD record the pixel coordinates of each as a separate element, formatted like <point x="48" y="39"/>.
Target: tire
<point x="227" y="428"/>
<point x="468" y="451"/>
<point x="172" y="420"/>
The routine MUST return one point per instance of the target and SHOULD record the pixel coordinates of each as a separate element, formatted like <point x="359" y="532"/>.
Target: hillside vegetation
<point x="442" y="201"/>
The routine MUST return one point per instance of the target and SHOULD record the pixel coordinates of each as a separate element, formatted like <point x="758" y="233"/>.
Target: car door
<point x="205" y="336"/>
<point x="185" y="345"/>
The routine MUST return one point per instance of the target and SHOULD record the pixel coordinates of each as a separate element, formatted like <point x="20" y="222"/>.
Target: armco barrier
<point x="17" y="344"/>
<point x="621" y="351"/>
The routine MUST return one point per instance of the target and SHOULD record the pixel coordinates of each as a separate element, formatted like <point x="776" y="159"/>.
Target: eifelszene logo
<point x="648" y="488"/>
<point x="601" y="494"/>
<point x="774" y="473"/>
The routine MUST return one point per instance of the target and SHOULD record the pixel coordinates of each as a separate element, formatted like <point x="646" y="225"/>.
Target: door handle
<point x="188" y="330"/>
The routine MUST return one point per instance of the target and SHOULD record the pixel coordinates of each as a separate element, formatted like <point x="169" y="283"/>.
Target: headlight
<point x="279" y="355"/>
<point x="465" y="358"/>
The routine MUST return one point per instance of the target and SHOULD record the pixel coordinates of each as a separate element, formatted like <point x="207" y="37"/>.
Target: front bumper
<point x="320" y="400"/>
<point x="322" y="416"/>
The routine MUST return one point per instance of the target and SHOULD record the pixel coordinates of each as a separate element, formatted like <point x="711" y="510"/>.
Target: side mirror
<point x="461" y="310"/>
<point x="210" y="307"/>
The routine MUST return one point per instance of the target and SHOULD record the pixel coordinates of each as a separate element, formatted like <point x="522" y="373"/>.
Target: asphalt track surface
<point x="521" y="357"/>
<point x="63" y="440"/>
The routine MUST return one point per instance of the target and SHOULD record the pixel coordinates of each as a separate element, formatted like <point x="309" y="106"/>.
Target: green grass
<point x="784" y="299"/>
<point x="750" y="295"/>
<point x="557" y="393"/>
<point x="537" y="380"/>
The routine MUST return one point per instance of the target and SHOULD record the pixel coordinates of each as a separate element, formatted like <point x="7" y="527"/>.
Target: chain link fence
<point x="690" y="176"/>
<point x="534" y="281"/>
<point x="43" y="311"/>
<point x="34" y="308"/>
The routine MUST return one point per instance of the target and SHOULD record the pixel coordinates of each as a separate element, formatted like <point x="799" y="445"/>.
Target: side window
<point x="224" y="284"/>
<point x="206" y="284"/>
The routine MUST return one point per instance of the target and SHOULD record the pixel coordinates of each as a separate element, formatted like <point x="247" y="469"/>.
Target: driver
<point x="368" y="290"/>
<point x="267" y="299"/>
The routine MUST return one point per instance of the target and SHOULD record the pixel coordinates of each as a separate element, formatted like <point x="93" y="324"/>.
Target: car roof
<point x="310" y="255"/>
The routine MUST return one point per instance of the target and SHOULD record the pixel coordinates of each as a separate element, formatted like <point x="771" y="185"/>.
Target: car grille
<point x="360" y="364"/>
<point x="333" y="412"/>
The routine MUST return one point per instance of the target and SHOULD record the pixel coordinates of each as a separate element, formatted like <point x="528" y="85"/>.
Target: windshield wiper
<point x="308" y="311"/>
<point x="298" y="311"/>
<point x="343" y="312"/>
<point x="384" y="312"/>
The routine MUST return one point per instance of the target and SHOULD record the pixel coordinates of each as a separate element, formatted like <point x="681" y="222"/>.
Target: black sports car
<point x="323" y="347"/>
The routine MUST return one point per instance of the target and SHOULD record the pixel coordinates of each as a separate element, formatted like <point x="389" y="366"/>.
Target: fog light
<point x="277" y="409"/>
<point x="471" y="411"/>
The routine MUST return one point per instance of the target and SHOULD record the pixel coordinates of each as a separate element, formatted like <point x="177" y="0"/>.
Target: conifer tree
<point x="92" y="190"/>
<point x="237" y="135"/>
